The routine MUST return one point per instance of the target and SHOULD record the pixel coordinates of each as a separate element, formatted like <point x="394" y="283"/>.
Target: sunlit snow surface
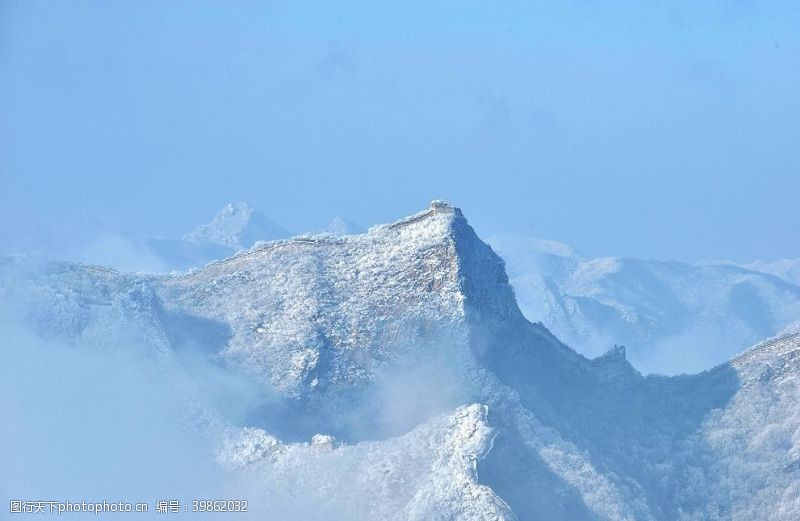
<point x="390" y="375"/>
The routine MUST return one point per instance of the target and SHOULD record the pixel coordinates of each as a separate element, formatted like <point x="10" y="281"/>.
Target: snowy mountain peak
<point x="340" y="226"/>
<point x="316" y="315"/>
<point x="237" y="226"/>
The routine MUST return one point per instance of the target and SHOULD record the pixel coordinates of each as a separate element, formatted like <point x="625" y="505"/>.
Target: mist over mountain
<point x="237" y="226"/>
<point x="392" y="375"/>
<point x="672" y="317"/>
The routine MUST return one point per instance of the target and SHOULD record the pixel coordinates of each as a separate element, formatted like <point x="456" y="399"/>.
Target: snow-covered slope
<point x="671" y="316"/>
<point x="402" y="382"/>
<point x="316" y="311"/>
<point x="428" y="473"/>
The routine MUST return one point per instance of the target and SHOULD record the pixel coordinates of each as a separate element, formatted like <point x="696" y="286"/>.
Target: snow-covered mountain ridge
<point x="406" y="344"/>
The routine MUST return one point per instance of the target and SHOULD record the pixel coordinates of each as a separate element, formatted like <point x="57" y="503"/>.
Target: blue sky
<point x="653" y="129"/>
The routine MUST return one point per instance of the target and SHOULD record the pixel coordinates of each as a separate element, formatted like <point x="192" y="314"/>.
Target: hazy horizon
<point x="661" y="131"/>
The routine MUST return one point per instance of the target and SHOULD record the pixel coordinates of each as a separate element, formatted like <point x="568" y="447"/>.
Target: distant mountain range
<point x="236" y="227"/>
<point x="399" y="379"/>
<point x="673" y="317"/>
<point x="786" y="269"/>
